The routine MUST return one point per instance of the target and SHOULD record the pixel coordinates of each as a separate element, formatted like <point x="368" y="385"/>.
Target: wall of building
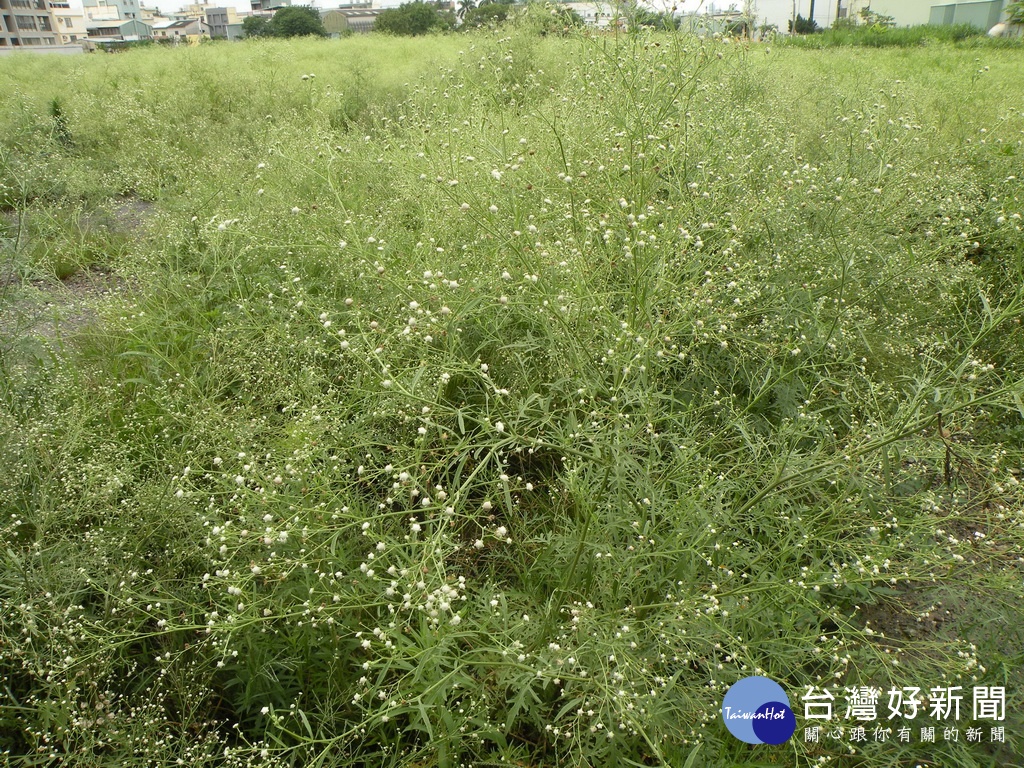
<point x="983" y="15"/>
<point x="27" y="23"/>
<point x="907" y="13"/>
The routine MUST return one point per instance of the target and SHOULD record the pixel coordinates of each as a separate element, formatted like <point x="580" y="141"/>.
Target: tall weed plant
<point x="509" y="407"/>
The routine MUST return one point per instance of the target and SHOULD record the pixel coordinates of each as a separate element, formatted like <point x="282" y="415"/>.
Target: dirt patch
<point x="51" y="309"/>
<point x="56" y="310"/>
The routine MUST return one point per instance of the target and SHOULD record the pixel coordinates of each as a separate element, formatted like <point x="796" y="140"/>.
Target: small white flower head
<point x="493" y="209"/>
<point x="416" y="527"/>
<point x="487" y="506"/>
<point x="496" y="174"/>
<point x="464" y="207"/>
<point x="296" y="209"/>
<point x="479" y="543"/>
<point x="386" y="383"/>
<point x="499" y="426"/>
<point x="501" y="532"/>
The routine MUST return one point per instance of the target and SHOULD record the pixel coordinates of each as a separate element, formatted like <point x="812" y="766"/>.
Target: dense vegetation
<point x="484" y="400"/>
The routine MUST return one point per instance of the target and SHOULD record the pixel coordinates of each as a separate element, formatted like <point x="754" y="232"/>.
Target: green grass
<point x="960" y="35"/>
<point x="486" y="399"/>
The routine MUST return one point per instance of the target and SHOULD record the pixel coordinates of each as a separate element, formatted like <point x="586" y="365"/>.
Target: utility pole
<point x="811" y="17"/>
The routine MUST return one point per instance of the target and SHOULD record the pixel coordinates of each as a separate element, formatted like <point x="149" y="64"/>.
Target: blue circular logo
<point x="756" y="710"/>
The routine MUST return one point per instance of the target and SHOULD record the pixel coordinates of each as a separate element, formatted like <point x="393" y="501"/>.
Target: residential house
<point x="220" y="19"/>
<point x="267" y="7"/>
<point x="152" y="16"/>
<point x="111" y="10"/>
<point x="69" y="22"/>
<point x="27" y="23"/>
<point x="181" y="30"/>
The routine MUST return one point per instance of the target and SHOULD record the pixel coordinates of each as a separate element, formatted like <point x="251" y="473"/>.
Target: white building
<point x="112" y="10"/>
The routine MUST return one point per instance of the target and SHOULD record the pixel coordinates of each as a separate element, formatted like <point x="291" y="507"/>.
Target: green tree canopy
<point x="255" y="26"/>
<point x="487" y="14"/>
<point x="803" y="26"/>
<point x="297" y="21"/>
<point x="412" y="19"/>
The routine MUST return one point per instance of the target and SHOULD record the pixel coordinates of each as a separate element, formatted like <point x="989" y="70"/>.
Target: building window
<point x="44" y="24"/>
<point x="25" y="22"/>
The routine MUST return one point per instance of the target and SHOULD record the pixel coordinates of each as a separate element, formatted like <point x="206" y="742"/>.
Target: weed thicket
<point x="510" y="406"/>
<point x="873" y="36"/>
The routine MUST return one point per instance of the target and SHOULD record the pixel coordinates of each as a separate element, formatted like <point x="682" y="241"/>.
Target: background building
<point x="982" y="15"/>
<point x="68" y="22"/>
<point x="27" y="23"/>
<point x="220" y="19"/>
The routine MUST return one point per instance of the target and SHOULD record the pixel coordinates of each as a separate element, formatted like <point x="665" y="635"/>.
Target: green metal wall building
<point x="983" y="15"/>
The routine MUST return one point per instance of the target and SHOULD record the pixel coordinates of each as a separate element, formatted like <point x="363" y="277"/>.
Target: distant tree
<point x="1015" y="12"/>
<point x="255" y="26"/>
<point x="297" y="21"/>
<point x="803" y="26"/>
<point x="487" y="14"/>
<point x="465" y="6"/>
<point x="416" y="18"/>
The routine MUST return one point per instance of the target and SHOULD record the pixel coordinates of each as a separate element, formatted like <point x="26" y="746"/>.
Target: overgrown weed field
<point x="504" y="399"/>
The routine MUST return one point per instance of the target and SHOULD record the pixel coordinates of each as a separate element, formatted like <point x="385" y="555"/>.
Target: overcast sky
<point x="775" y="11"/>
